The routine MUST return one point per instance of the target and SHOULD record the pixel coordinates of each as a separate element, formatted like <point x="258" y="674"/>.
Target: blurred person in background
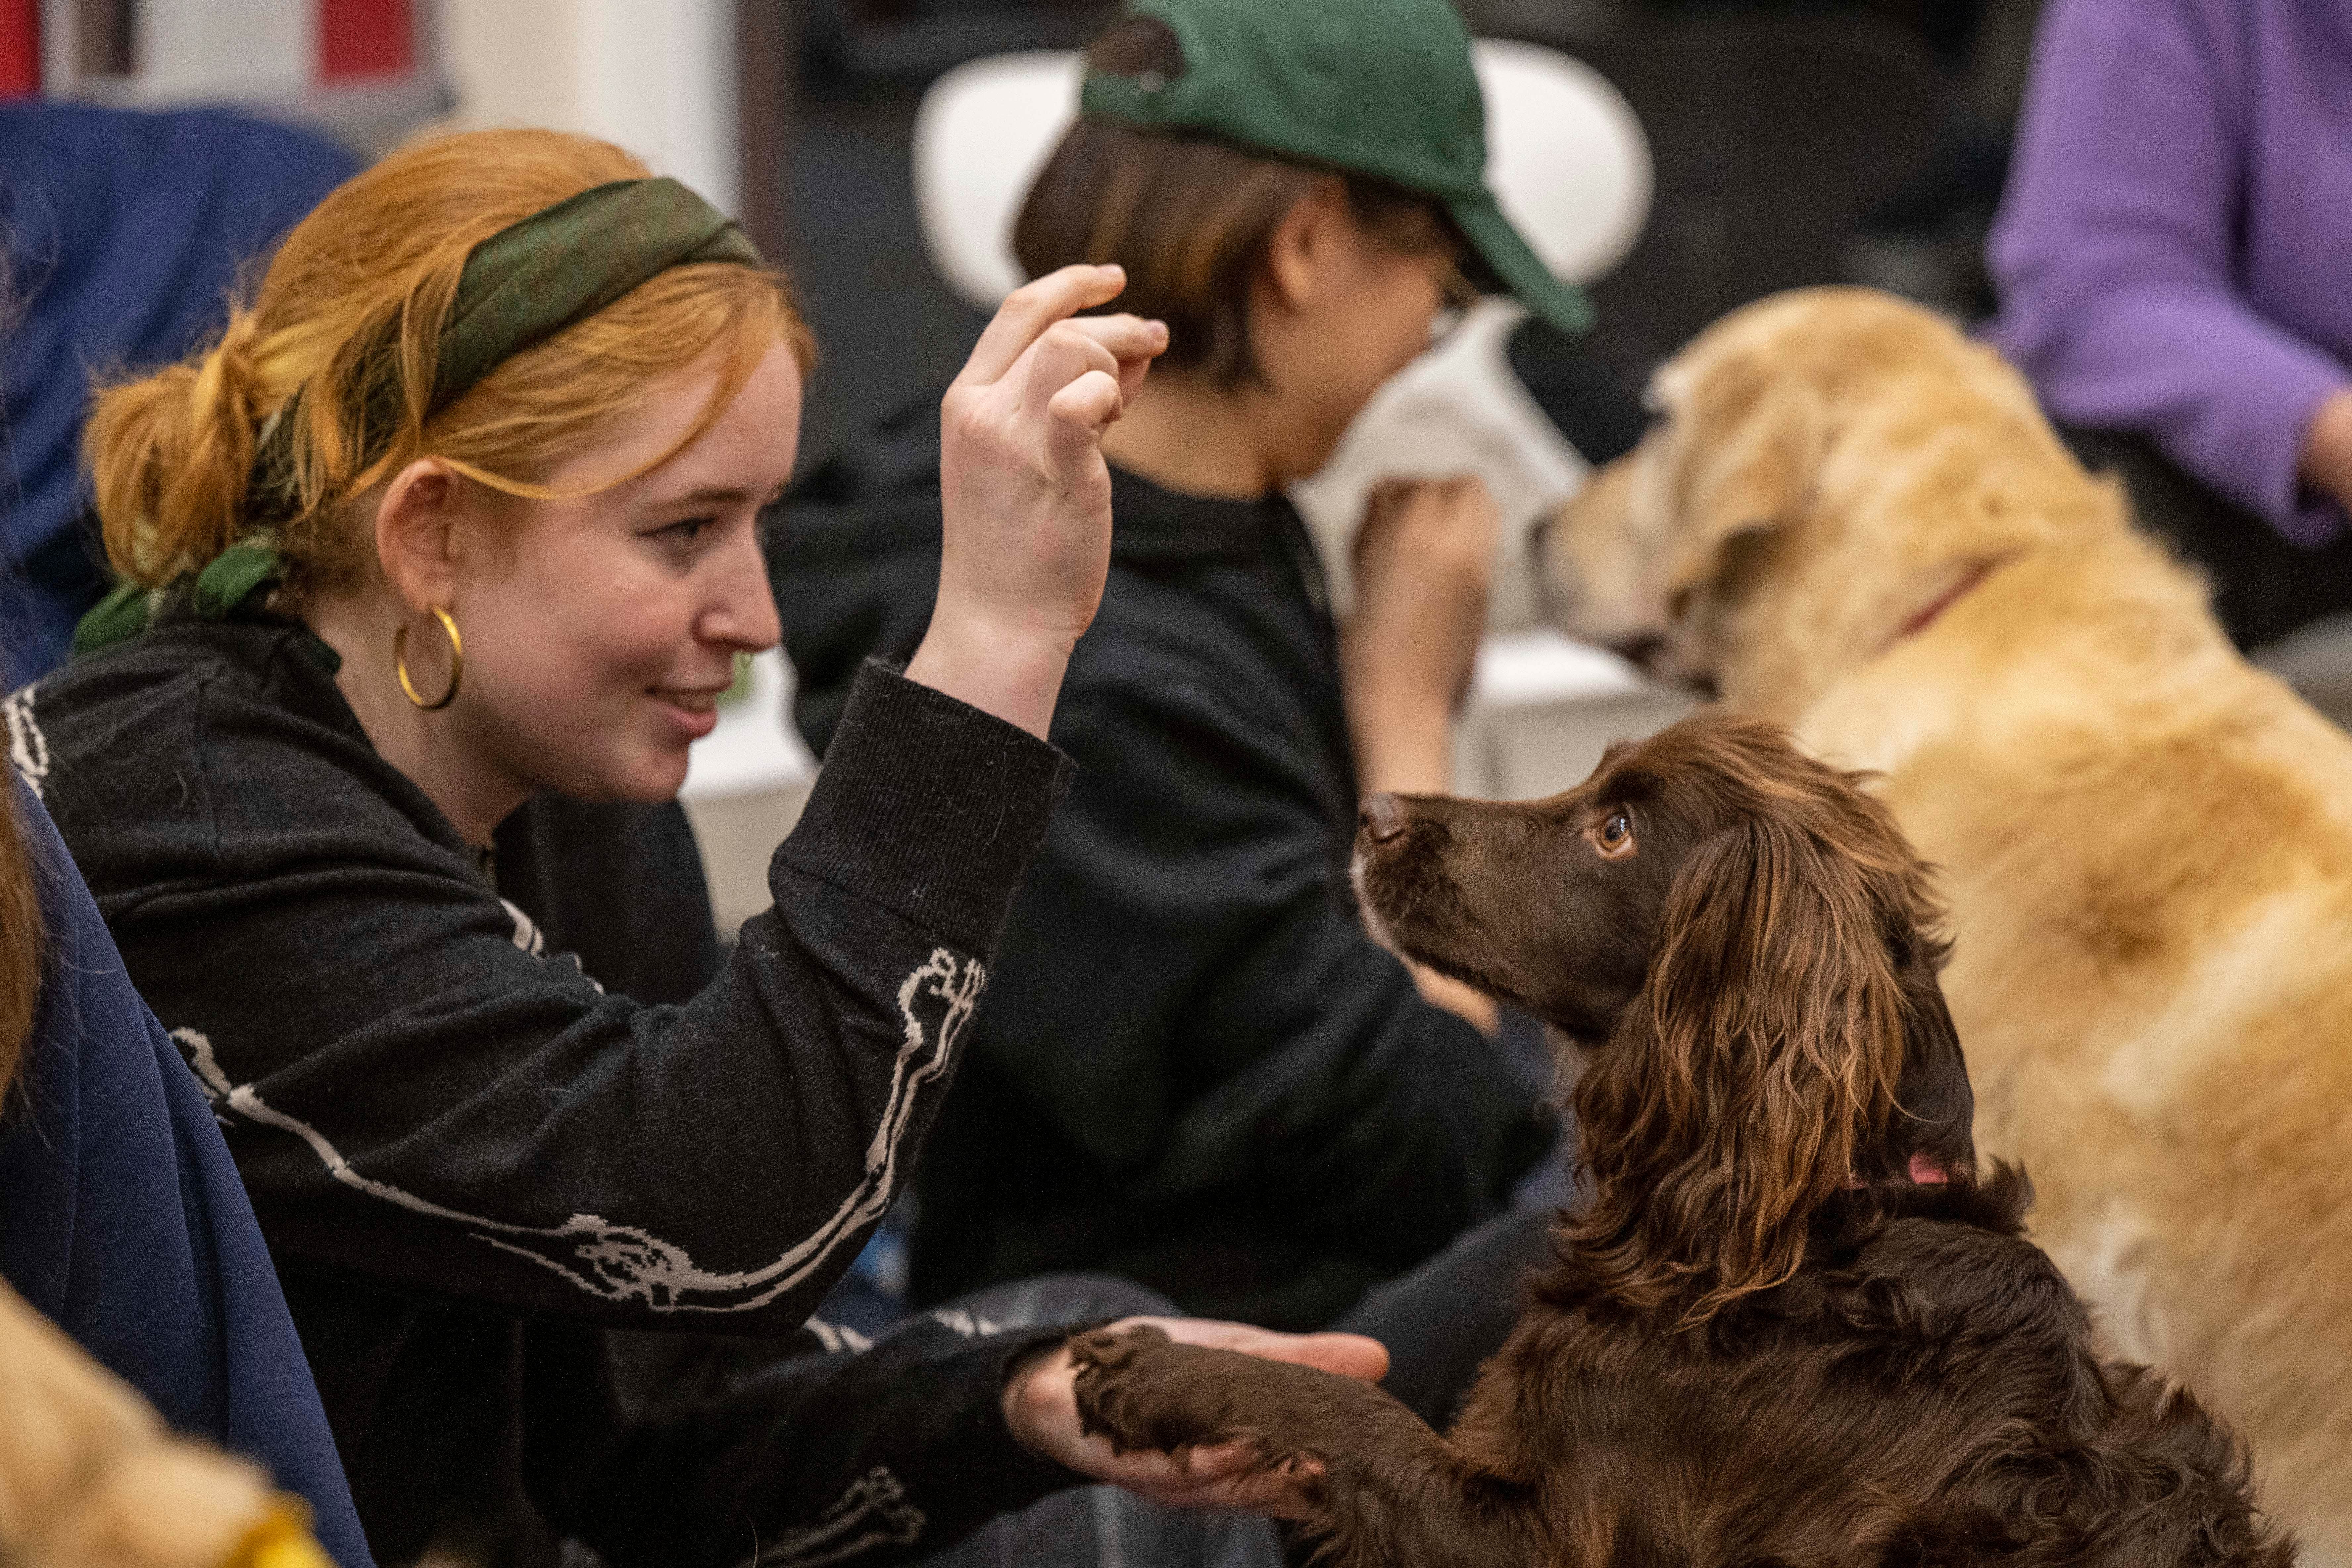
<point x="458" y="516"/>
<point x="125" y="231"/>
<point x="121" y="1220"/>
<point x="2173" y="256"/>
<point x="1195" y="1068"/>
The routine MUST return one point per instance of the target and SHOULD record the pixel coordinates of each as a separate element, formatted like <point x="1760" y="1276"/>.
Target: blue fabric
<point x="125" y="231"/>
<point x="125" y="1222"/>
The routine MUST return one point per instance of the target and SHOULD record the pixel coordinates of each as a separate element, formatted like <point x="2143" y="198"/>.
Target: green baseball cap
<point x="1383" y="88"/>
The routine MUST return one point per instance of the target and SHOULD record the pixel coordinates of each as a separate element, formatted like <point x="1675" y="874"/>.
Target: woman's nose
<point x="744" y="613"/>
<point x="1381" y="819"/>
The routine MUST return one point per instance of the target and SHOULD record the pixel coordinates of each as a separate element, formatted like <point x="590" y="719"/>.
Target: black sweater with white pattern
<point x="470" y="1157"/>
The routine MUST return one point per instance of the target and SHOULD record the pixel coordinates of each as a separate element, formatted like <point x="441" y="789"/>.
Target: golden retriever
<point x="1850" y="519"/>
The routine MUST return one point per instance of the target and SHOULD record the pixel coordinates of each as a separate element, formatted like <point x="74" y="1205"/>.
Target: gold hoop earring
<point x="457" y="663"/>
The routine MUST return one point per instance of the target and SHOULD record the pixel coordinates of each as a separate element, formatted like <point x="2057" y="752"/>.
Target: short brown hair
<point x="1191" y="217"/>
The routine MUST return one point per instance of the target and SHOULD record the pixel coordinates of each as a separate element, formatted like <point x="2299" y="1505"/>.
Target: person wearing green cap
<point x="1195" y="1068"/>
<point x="1379" y="88"/>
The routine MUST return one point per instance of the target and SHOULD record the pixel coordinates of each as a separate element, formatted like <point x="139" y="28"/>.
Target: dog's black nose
<point x="1382" y="820"/>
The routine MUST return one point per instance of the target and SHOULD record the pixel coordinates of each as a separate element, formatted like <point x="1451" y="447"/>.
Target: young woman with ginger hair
<point x="459" y="518"/>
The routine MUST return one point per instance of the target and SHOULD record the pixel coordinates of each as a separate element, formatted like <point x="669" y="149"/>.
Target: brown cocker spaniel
<point x="1790" y="1324"/>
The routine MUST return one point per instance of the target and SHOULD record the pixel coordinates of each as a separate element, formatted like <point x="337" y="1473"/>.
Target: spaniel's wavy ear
<point x="1758" y="1066"/>
<point x="1930" y="1136"/>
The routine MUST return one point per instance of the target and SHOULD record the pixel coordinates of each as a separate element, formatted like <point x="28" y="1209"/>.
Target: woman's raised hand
<point x="1024" y="493"/>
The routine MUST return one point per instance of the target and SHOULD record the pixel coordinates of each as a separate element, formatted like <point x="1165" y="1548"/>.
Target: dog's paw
<point x="1125" y="1390"/>
<point x="1143" y="1391"/>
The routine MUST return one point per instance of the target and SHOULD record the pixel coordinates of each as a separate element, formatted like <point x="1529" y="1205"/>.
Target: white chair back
<point x="1565" y="158"/>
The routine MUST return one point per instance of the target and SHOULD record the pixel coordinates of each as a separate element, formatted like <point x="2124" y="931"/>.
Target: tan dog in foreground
<point x="1852" y="520"/>
<point x="90" y="1477"/>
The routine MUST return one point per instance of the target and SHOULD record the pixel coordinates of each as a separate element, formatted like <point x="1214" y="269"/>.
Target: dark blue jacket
<point x="123" y="232"/>
<point x="123" y="1218"/>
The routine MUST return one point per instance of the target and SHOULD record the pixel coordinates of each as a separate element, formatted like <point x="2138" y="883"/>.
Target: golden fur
<point x="90" y="1478"/>
<point x="2146" y="842"/>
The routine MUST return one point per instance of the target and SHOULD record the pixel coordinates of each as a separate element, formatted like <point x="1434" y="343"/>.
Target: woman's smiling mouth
<point x="703" y="701"/>
<point x="694" y="710"/>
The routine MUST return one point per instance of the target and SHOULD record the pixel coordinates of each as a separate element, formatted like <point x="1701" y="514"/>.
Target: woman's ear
<point x="1739" y="1086"/>
<point x="417" y="530"/>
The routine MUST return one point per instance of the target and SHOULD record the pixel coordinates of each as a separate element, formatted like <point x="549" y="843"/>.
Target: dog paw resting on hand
<point x="1365" y="1473"/>
<point x="1143" y="1391"/>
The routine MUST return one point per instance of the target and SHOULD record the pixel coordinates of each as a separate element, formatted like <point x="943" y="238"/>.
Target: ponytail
<point x="171" y="458"/>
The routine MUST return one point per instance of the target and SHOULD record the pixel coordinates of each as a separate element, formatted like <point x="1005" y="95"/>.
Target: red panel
<point x="20" y="47"/>
<point x="364" y="37"/>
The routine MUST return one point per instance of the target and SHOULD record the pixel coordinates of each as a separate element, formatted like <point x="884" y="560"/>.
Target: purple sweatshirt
<point x="2175" y="249"/>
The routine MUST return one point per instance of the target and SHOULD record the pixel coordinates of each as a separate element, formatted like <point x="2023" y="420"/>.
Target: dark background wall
<point x="1815" y="142"/>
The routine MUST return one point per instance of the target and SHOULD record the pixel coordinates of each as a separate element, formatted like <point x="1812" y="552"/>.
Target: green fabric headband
<point x="521" y="287"/>
<point x="527" y="283"/>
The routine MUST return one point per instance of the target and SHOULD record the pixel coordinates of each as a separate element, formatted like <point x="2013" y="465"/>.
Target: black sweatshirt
<point x="469" y="1158"/>
<point x="1193" y="1068"/>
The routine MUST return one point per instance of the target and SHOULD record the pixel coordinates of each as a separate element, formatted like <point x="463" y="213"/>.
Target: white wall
<point x="655" y="75"/>
<point x="228" y="49"/>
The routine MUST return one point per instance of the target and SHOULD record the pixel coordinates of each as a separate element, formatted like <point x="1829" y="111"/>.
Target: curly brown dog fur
<point x="1790" y="1325"/>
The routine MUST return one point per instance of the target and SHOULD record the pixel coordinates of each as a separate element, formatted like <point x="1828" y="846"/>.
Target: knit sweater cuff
<point x="929" y="807"/>
<point x="993" y="1465"/>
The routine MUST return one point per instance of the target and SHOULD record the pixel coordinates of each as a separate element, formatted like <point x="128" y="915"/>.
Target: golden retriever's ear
<point x="1761" y="1059"/>
<point x="1746" y="443"/>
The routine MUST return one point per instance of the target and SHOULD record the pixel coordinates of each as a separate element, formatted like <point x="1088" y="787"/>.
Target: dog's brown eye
<point x="1615" y="835"/>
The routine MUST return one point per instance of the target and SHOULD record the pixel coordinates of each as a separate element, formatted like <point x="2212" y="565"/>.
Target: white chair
<point x="1568" y="161"/>
<point x="1566" y="157"/>
<point x="981" y="135"/>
